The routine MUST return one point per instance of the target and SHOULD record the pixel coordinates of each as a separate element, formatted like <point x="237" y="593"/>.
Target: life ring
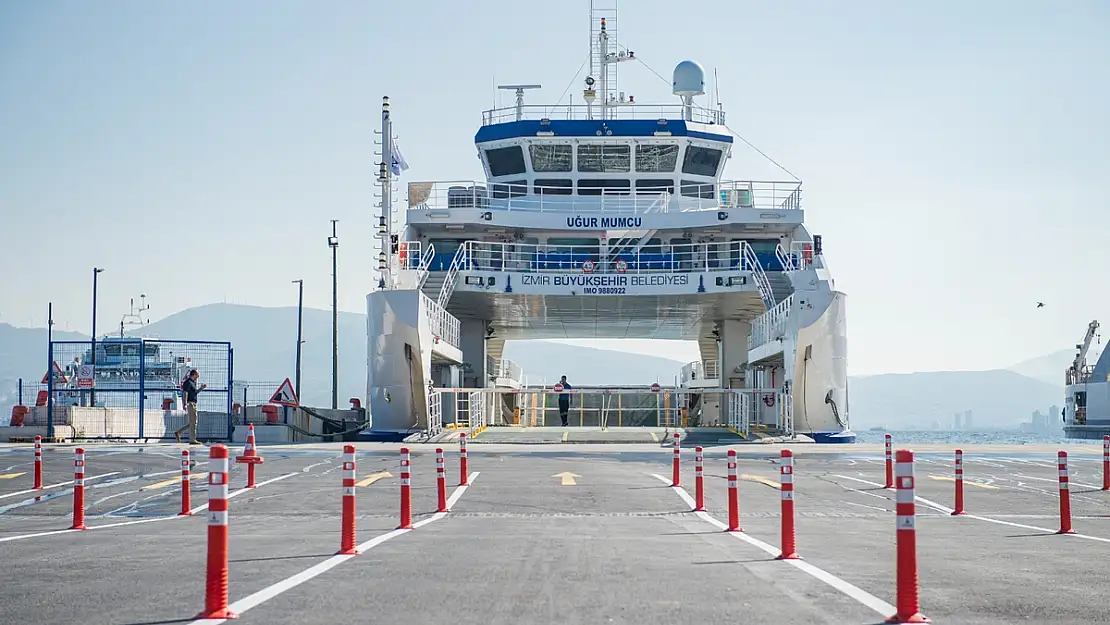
<point x="403" y="252"/>
<point x="769" y="399"/>
<point x="588" y="266"/>
<point x="622" y="266"/>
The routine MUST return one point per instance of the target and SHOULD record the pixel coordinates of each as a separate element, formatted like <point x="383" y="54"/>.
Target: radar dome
<point x="689" y="79"/>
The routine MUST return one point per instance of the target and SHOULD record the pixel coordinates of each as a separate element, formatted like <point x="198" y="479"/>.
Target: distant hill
<point x="998" y="398"/>
<point x="1050" y="367"/>
<point x="265" y="346"/>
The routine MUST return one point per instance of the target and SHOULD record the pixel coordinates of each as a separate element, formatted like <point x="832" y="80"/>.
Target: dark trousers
<point x="564" y="408"/>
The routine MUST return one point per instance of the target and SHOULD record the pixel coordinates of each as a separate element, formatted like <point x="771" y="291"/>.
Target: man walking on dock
<point x="564" y="400"/>
<point x="190" y="390"/>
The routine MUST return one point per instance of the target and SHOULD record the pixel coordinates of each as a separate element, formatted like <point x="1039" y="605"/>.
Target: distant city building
<point x="968" y="420"/>
<point x="956" y="421"/>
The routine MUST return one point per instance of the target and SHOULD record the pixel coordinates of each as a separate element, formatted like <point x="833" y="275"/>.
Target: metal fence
<point x="134" y="391"/>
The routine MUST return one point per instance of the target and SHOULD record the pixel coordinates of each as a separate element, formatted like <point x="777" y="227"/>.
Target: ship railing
<point x="435" y="412"/>
<point x="410" y="264"/>
<point x="503" y="369"/>
<point x="708" y="369"/>
<point x="625" y="200"/>
<point x="619" y="110"/>
<point x="760" y="277"/>
<point x="444" y="325"/>
<point x="447" y="289"/>
<point x="771" y="324"/>
<point x="596" y="259"/>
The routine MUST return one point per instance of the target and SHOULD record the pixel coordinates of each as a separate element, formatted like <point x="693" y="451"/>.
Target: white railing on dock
<point x="503" y="368"/>
<point x="771" y="324"/>
<point x="670" y="258"/>
<point x="443" y="324"/>
<point x="527" y="197"/>
<point x="620" y="110"/>
<point x="700" y="370"/>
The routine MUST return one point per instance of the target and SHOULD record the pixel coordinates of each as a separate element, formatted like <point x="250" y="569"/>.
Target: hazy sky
<point x="954" y="154"/>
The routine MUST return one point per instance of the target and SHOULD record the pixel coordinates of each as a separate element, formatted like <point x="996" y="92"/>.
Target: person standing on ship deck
<point x="190" y="391"/>
<point x="564" y="401"/>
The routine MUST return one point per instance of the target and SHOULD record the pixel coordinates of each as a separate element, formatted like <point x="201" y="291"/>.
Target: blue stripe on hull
<point x="832" y="438"/>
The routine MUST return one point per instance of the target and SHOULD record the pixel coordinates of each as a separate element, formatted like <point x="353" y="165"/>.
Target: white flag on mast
<point x="399" y="163"/>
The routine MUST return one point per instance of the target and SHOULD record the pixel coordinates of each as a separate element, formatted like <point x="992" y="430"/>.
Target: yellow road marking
<point x="567" y="478"/>
<point x="374" y="478"/>
<point x="9" y="476"/>
<point x="654" y="437"/>
<point x="761" y="480"/>
<point x="193" y="477"/>
<point x="948" y="478"/>
<point x="566" y="435"/>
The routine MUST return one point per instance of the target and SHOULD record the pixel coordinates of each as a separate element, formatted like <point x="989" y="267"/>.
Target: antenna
<point x="519" y="96"/>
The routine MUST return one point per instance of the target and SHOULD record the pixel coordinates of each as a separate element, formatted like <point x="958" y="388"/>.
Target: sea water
<point x="971" y="437"/>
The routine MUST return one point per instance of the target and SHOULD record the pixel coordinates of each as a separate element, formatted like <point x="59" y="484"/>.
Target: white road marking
<point x="289" y="583"/>
<point x="991" y="520"/>
<point x="137" y="522"/>
<point x="66" y="483"/>
<point x="855" y="592"/>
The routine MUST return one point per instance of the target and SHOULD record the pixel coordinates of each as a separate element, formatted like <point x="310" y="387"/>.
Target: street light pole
<point x="300" y="316"/>
<point x="92" y="392"/>
<point x="333" y="243"/>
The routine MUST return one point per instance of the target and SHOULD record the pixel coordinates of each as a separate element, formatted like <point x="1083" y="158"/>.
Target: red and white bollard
<point x="677" y="462"/>
<point x="733" y="494"/>
<point x="959" y="483"/>
<point x="908" y="605"/>
<point x="186" y="503"/>
<point x="38" y="462"/>
<point x="1065" y="495"/>
<point x="889" y="463"/>
<point x="464" y="479"/>
<point x="1106" y="463"/>
<point x="250" y="456"/>
<point x="406" y="490"/>
<point x="78" y="489"/>
<point x="347" y="539"/>
<point x="786" y="486"/>
<point x="699" y="480"/>
<point x="216" y="593"/>
<point x="441" y="480"/>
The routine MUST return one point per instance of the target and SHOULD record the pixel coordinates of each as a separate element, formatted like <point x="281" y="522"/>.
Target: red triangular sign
<point x="57" y="374"/>
<point x="285" y="395"/>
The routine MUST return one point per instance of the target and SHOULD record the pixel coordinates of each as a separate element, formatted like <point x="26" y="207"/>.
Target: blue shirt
<point x="566" y="387"/>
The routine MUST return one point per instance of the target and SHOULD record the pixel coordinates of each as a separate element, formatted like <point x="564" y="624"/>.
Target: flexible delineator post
<point x="216" y="591"/>
<point x="186" y="503"/>
<point x="733" y="494"/>
<point x="38" y="462"/>
<point x="907" y="604"/>
<point x="889" y="463"/>
<point x="406" y="490"/>
<point x="1106" y="463"/>
<point x="250" y="456"/>
<point x="464" y="480"/>
<point x="959" y="483"/>
<point x="676" y="463"/>
<point x="78" y="489"/>
<point x="699" y="480"/>
<point x="786" y="487"/>
<point x="441" y="480"/>
<point x="347" y="538"/>
<point x="1065" y="494"/>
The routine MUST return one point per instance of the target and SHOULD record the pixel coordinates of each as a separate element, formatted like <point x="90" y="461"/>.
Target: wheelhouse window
<point x="553" y="186"/>
<point x="646" y="186"/>
<point x="604" y="158"/>
<point x="502" y="190"/>
<point x="603" y="186"/>
<point x="551" y="157"/>
<point x="506" y="161"/>
<point x="694" y="188"/>
<point x="701" y="161"/>
<point x="656" y="158"/>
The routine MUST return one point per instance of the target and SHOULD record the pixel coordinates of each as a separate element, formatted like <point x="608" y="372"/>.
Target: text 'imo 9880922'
<point x="605" y="220"/>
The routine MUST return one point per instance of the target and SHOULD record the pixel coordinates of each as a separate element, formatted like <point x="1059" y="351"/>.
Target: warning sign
<point x="285" y="395"/>
<point x="558" y="388"/>
<point x="59" y="377"/>
<point x="655" y="387"/>
<point x="85" y="377"/>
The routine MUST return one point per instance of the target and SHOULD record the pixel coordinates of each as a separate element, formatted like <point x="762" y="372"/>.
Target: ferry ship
<point x="1086" y="412"/>
<point x="608" y="219"/>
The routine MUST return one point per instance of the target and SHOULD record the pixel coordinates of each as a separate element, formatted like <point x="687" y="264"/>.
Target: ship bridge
<point x="610" y="219"/>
